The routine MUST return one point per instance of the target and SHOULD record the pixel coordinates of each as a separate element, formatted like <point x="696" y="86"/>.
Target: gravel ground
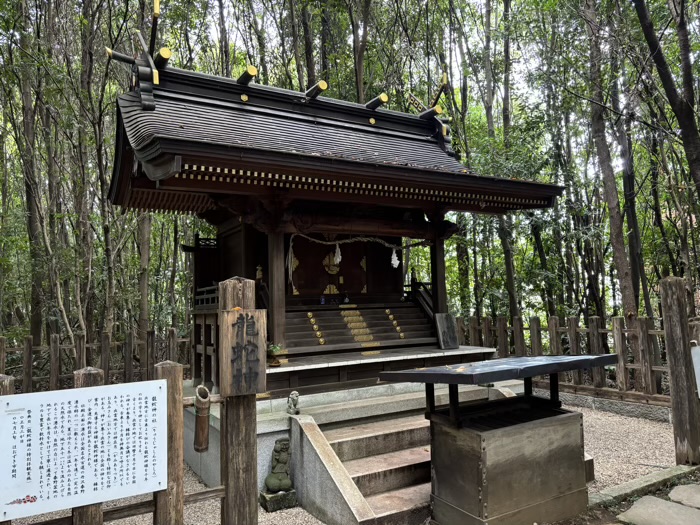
<point x="623" y="448"/>
<point x="204" y="513"/>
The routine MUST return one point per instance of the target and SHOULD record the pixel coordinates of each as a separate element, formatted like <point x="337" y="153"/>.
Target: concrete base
<point x="278" y="500"/>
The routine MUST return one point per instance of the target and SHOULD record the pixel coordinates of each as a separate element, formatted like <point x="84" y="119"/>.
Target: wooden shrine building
<point x="312" y="198"/>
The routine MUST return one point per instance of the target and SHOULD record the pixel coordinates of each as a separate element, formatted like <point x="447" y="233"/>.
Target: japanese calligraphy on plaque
<point x="243" y="350"/>
<point x="70" y="448"/>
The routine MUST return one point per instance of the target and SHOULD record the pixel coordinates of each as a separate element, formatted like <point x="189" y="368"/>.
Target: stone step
<point x="405" y="506"/>
<point x="379" y="437"/>
<point x="688" y="495"/>
<point x="655" y="511"/>
<point x="390" y="471"/>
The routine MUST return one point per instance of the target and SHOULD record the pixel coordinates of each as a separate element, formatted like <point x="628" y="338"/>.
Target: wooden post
<point x="518" y="336"/>
<point x="202" y="403"/>
<point x="275" y="261"/>
<point x="596" y="348"/>
<point x="170" y="508"/>
<point x="129" y="357"/>
<point x="172" y="345"/>
<point x="474" y="339"/>
<point x="88" y="514"/>
<point x="55" y="360"/>
<point x="574" y="347"/>
<point x="7" y="388"/>
<point x="105" y="354"/>
<point x="502" y="335"/>
<point x="620" y="346"/>
<point x="488" y="333"/>
<point x="461" y="331"/>
<point x="7" y="385"/>
<point x="655" y="349"/>
<point x="554" y="337"/>
<point x="80" y="352"/>
<point x="437" y="272"/>
<point x="685" y="405"/>
<point x="27" y="365"/>
<point x="645" y="375"/>
<point x="535" y="336"/>
<point x="239" y="443"/>
<point x="215" y="354"/>
<point x="3" y="342"/>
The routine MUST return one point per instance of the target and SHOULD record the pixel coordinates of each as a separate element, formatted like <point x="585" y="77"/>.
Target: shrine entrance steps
<point x="367" y="461"/>
<point x="338" y="347"/>
<point x="389" y="462"/>
<point x="324" y="329"/>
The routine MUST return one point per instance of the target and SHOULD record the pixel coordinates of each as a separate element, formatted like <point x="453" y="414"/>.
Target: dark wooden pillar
<point x="275" y="249"/>
<point x="437" y="269"/>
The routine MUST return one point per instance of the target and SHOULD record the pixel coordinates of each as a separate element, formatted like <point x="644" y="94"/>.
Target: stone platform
<point x="683" y="509"/>
<point x="383" y="401"/>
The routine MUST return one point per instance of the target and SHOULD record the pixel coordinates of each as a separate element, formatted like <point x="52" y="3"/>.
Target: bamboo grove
<point x="597" y="95"/>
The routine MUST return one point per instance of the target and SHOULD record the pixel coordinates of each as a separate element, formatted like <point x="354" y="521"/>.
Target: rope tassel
<point x="394" y="259"/>
<point x="338" y="257"/>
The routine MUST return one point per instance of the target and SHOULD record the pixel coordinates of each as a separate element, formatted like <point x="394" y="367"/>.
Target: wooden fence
<point x="48" y="367"/>
<point x="238" y="491"/>
<point x="641" y="373"/>
<point x="167" y="505"/>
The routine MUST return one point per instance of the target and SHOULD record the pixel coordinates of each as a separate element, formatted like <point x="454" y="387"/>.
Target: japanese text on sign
<point x="76" y="447"/>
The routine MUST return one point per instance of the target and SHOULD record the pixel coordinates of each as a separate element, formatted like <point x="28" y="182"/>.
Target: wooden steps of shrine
<point x="325" y="329"/>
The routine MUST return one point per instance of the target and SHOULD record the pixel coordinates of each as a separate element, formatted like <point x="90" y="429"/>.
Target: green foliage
<point x="562" y="257"/>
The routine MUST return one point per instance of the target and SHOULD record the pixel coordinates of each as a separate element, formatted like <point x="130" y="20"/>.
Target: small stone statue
<point x="278" y="480"/>
<point x="292" y="403"/>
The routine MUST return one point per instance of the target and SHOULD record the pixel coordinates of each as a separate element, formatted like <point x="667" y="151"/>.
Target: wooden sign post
<point x="685" y="406"/>
<point x="242" y="352"/>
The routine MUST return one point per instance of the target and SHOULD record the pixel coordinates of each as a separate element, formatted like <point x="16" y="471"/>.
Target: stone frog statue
<point x="278" y="480"/>
<point x="292" y="403"/>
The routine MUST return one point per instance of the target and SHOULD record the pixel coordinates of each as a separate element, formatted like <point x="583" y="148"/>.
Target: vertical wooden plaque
<point x="242" y="351"/>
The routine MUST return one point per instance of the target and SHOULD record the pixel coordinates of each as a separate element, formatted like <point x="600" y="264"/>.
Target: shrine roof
<point x="204" y="125"/>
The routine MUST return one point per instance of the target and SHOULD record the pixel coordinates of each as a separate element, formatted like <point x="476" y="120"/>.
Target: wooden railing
<point x="166" y="506"/>
<point x="48" y="367"/>
<point x="640" y="346"/>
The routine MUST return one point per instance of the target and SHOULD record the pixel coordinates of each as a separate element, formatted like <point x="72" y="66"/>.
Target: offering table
<point x="513" y="461"/>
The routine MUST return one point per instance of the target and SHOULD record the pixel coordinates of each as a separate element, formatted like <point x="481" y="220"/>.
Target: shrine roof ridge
<point x="206" y="86"/>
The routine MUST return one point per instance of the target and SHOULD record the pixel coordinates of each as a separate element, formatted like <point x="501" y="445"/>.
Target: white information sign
<point x="695" y="356"/>
<point x="69" y="448"/>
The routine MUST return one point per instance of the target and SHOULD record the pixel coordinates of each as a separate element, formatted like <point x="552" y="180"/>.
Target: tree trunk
<point x="463" y="263"/>
<point x="683" y="105"/>
<point x="224" y="47"/>
<point x="31" y="188"/>
<point x="360" y="35"/>
<point x="325" y="40"/>
<point x="144" y="245"/>
<point x="295" y="43"/>
<point x="617" y="234"/>
<point x="308" y="44"/>
<point x="173" y="274"/>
